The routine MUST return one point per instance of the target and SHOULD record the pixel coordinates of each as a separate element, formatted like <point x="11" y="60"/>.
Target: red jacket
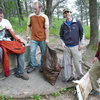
<point x="14" y="47"/>
<point x="98" y="52"/>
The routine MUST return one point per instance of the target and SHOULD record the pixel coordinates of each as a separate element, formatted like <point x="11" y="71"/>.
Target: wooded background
<point x="88" y="12"/>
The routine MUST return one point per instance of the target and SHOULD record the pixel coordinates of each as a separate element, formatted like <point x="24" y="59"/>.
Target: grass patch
<point x="86" y="31"/>
<point x="17" y="28"/>
<point x="36" y="97"/>
<point x="56" y="94"/>
<point x="4" y="97"/>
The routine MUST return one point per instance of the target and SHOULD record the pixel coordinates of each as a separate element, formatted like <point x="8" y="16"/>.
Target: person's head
<point x="1" y="14"/>
<point x="67" y="13"/>
<point x="37" y="6"/>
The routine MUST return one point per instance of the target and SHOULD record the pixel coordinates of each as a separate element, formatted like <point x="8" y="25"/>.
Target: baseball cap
<point x="67" y="9"/>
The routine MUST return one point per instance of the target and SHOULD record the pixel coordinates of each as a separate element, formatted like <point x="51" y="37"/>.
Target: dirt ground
<point x="87" y="56"/>
<point x="70" y="93"/>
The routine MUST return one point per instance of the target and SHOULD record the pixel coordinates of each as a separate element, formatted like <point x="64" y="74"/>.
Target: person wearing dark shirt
<point x="71" y="35"/>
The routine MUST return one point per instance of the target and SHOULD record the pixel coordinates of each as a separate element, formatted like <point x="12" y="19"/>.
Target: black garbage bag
<point x="51" y="68"/>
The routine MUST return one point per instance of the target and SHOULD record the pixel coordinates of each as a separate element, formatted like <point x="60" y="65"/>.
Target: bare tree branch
<point x="83" y="1"/>
<point x="57" y="3"/>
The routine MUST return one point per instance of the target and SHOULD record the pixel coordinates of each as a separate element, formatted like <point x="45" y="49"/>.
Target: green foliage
<point x="63" y="89"/>
<point x="95" y="47"/>
<point x="56" y="94"/>
<point x="36" y="97"/>
<point x="4" y="97"/>
<point x="17" y="28"/>
<point x="56" y="26"/>
<point x="86" y="31"/>
<point x="83" y="58"/>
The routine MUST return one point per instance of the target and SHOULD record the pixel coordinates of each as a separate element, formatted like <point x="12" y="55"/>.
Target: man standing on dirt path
<point x="4" y="23"/>
<point x="39" y="25"/>
<point x="71" y="35"/>
<point x="95" y="72"/>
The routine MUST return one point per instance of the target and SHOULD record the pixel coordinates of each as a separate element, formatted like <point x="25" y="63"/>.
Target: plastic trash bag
<point x="51" y="68"/>
<point x="67" y="68"/>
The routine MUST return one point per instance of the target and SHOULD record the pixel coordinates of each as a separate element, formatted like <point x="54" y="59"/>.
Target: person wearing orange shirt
<point x="39" y="25"/>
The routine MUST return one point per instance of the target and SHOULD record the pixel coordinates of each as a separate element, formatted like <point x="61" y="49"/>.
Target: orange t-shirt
<point x="38" y="24"/>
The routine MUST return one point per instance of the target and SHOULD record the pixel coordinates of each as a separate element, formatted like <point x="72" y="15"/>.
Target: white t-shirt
<point x="5" y="23"/>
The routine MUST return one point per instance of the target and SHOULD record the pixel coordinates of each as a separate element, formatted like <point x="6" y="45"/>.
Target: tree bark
<point x="20" y="9"/>
<point x="18" y="13"/>
<point x="48" y="11"/>
<point x="26" y="7"/>
<point x="93" y="23"/>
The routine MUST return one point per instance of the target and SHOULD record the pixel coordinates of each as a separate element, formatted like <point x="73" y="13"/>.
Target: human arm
<point x="46" y="29"/>
<point x="62" y="37"/>
<point x="28" y="28"/>
<point x="81" y="36"/>
<point x="47" y="35"/>
<point x="27" y="33"/>
<point x="94" y="60"/>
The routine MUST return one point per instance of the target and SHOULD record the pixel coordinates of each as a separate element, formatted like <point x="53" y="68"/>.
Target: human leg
<point x="77" y="58"/>
<point x="20" y="67"/>
<point x="20" y="64"/>
<point x="42" y="48"/>
<point x="33" y="47"/>
<point x="95" y="75"/>
<point x="33" y="63"/>
<point x="0" y="54"/>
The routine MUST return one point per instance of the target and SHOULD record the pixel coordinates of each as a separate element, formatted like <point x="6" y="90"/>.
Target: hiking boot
<point x="24" y="76"/>
<point x="30" y="69"/>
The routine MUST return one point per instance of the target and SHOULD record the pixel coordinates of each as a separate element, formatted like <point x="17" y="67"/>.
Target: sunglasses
<point x="67" y="12"/>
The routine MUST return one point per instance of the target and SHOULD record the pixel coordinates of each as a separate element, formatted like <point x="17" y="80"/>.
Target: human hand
<point x="46" y="41"/>
<point x="6" y="27"/>
<point x="27" y="38"/>
<point x="80" y="47"/>
<point x="94" y="60"/>
<point x="63" y="45"/>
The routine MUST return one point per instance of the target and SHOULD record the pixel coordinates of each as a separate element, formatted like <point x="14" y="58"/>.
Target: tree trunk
<point x="93" y="23"/>
<point x="48" y="11"/>
<point x="81" y="13"/>
<point x="86" y="17"/>
<point x="26" y="8"/>
<point x="20" y="10"/>
<point x="18" y="13"/>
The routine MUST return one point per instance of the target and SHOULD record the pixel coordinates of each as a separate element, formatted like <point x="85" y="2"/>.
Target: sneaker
<point x="40" y="70"/>
<point x="93" y="92"/>
<point x="70" y="79"/>
<point x="30" y="69"/>
<point x="24" y="76"/>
